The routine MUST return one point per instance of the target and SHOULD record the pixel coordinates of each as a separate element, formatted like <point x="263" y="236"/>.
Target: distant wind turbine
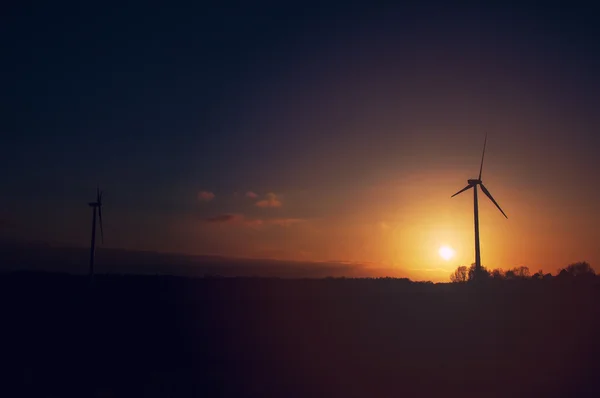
<point x="96" y="209"/>
<point x="474" y="184"/>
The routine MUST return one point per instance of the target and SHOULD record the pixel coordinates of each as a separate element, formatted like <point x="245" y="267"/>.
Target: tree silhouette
<point x="474" y="274"/>
<point x="517" y="273"/>
<point x="497" y="274"/>
<point x="580" y="269"/>
<point x="459" y="275"/>
<point x="510" y="274"/>
<point x="522" y="272"/>
<point x="563" y="274"/>
<point x="538" y="275"/>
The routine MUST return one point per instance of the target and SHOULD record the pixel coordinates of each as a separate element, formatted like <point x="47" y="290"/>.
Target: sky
<point x="306" y="132"/>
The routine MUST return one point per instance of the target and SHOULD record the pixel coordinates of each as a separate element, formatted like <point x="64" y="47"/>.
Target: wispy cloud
<point x="240" y="219"/>
<point x="205" y="196"/>
<point x="383" y="225"/>
<point x="225" y="218"/>
<point x="285" y="222"/>
<point x="430" y="269"/>
<point x="252" y="195"/>
<point x="271" y="200"/>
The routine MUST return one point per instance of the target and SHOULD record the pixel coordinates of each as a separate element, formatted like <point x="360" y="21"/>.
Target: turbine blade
<point x="101" y="229"/>
<point x="462" y="190"/>
<point x="482" y="156"/>
<point x="489" y="195"/>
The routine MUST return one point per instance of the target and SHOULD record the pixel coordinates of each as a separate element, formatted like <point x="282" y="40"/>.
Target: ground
<point x="169" y="337"/>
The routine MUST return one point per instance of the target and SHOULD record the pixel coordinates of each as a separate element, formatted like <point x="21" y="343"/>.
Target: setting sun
<point x="446" y="252"/>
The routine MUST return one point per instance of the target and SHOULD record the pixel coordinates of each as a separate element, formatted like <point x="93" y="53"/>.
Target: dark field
<point x="171" y="337"/>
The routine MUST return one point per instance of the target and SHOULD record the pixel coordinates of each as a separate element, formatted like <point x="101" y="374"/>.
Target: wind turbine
<point x="473" y="183"/>
<point x="96" y="209"/>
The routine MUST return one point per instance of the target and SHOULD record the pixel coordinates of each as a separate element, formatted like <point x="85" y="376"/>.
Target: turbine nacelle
<point x="474" y="182"/>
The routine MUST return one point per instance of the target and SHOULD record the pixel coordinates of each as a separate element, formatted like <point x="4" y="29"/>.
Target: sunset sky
<point x="311" y="132"/>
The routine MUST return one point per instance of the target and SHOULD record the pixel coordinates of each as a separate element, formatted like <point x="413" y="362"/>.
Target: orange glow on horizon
<point x="396" y="229"/>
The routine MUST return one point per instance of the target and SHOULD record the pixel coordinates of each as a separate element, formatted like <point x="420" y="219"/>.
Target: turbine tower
<point x="96" y="209"/>
<point x="473" y="183"/>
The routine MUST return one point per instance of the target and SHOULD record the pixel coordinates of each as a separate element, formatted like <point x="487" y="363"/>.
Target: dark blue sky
<point x="156" y="102"/>
<point x="141" y="97"/>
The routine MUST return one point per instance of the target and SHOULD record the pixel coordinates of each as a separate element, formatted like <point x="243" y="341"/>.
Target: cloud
<point x="271" y="200"/>
<point x="240" y="219"/>
<point x="251" y="195"/>
<point x="205" y="196"/>
<point x="224" y="218"/>
<point x="285" y="222"/>
<point x="254" y="222"/>
<point x="383" y="225"/>
<point x="268" y="262"/>
<point x="445" y="270"/>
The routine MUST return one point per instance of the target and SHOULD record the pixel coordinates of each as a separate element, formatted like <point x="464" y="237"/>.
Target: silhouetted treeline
<point x="580" y="271"/>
